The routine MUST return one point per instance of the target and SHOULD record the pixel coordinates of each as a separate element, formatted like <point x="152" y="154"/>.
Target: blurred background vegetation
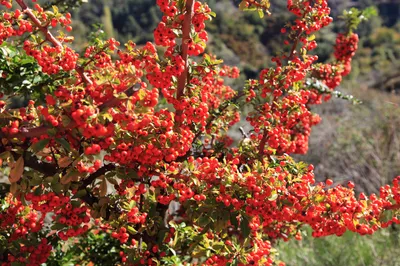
<point x="354" y="142"/>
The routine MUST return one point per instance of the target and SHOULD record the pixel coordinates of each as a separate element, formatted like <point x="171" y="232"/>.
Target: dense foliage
<point x="131" y="143"/>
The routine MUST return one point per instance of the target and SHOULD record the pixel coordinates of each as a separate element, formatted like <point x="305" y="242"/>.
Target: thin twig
<point x="186" y="27"/>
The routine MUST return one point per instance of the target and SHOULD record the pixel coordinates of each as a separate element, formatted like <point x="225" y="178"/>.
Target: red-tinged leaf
<point x="64" y="162"/>
<point x="103" y="187"/>
<point x="69" y="177"/>
<point x="13" y="188"/>
<point x="16" y="170"/>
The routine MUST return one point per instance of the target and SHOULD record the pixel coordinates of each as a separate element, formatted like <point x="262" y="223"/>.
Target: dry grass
<point x="359" y="143"/>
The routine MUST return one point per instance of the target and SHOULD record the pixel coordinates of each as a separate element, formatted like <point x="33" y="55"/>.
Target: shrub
<point x="132" y="142"/>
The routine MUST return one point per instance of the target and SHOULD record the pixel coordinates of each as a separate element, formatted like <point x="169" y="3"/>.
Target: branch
<point x="32" y="162"/>
<point x="36" y="131"/>
<point x="263" y="142"/>
<point x="115" y="101"/>
<point x="186" y="27"/>
<point x="49" y="37"/>
<point x="45" y="168"/>
<point x="89" y="198"/>
<point x="31" y="132"/>
<point x="292" y="51"/>
<point x="265" y="135"/>
<point x="244" y="134"/>
<point x="98" y="173"/>
<point x="38" y="24"/>
<point x="392" y="207"/>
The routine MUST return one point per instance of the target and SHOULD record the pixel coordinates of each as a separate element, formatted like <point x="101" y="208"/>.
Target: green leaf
<point x="273" y="196"/>
<point x="141" y="94"/>
<point x="52" y="131"/>
<point x="121" y="96"/>
<point x="260" y="12"/>
<point x="203" y="220"/>
<point x="234" y="220"/>
<point x="311" y="37"/>
<point x="40" y="145"/>
<point x="17" y="264"/>
<point x="35" y="181"/>
<point x="199" y="254"/>
<point x="80" y="193"/>
<point x="370" y="11"/>
<point x="218" y="246"/>
<point x="55" y="10"/>
<point x="234" y="262"/>
<point x="111" y="179"/>
<point x="65" y="120"/>
<point x="64" y="143"/>
<point x="38" y="191"/>
<point x="132" y="230"/>
<point x="57" y="188"/>
<point x="212" y="14"/>
<point x="181" y="4"/>
<point x="6" y="156"/>
<point x="244" y="227"/>
<point x="69" y="176"/>
<point x="57" y="226"/>
<point x="107" y="117"/>
<point x="319" y="198"/>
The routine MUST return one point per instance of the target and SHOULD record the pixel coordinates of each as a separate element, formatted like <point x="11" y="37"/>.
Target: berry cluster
<point x="24" y="225"/>
<point x="52" y="59"/>
<point x="172" y="21"/>
<point x="345" y="48"/>
<point x="34" y="255"/>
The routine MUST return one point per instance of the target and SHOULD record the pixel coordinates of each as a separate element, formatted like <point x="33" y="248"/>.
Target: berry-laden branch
<point x="43" y="130"/>
<point x="35" y="20"/>
<point x="186" y="28"/>
<point x="32" y="162"/>
<point x="50" y="37"/>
